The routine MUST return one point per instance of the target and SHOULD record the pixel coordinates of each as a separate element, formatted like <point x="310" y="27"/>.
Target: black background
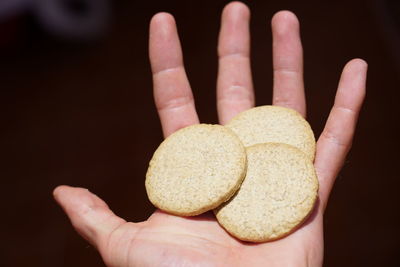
<point x="82" y="114"/>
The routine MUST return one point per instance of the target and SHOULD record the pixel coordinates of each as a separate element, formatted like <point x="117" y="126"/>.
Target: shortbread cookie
<point x="274" y="124"/>
<point x="196" y="169"/>
<point x="276" y="196"/>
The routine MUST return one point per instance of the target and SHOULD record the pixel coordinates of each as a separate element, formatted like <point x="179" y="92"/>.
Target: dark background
<point x="82" y="114"/>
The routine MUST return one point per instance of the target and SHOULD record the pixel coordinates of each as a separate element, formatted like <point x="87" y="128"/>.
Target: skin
<point x="167" y="240"/>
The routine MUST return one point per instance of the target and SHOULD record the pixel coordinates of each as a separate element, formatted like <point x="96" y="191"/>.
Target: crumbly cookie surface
<point x="276" y="196"/>
<point x="274" y="124"/>
<point x="196" y="169"/>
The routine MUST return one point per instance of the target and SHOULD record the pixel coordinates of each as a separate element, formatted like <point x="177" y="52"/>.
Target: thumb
<point x="89" y="215"/>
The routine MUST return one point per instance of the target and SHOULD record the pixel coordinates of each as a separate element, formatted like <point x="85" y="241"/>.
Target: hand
<point x="167" y="240"/>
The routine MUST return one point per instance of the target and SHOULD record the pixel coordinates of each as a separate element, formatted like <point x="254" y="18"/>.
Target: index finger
<point x="172" y="93"/>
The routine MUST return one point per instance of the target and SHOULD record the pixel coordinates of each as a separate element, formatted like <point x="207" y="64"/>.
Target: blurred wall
<point x="80" y="112"/>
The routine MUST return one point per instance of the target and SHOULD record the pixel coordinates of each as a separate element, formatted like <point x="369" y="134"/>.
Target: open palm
<point x="167" y="240"/>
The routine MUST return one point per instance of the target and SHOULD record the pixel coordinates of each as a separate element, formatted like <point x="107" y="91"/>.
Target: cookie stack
<point x="256" y="173"/>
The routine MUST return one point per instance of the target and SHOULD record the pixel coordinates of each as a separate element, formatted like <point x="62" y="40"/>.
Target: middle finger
<point x="234" y="83"/>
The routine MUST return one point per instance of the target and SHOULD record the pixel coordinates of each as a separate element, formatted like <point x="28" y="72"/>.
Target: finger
<point x="234" y="83"/>
<point x="172" y="94"/>
<point x="89" y="215"/>
<point x="336" y="138"/>
<point x="288" y="89"/>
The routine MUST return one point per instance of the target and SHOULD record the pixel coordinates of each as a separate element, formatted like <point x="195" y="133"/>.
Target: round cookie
<point x="196" y="169"/>
<point x="274" y="124"/>
<point x="276" y="196"/>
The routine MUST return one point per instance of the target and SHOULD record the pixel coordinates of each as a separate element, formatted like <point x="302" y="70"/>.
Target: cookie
<point x="196" y="169"/>
<point x="276" y="196"/>
<point x="274" y="124"/>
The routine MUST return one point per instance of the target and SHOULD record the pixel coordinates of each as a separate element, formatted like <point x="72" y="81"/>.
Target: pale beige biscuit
<point x="196" y="169"/>
<point x="276" y="196"/>
<point x="274" y="124"/>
